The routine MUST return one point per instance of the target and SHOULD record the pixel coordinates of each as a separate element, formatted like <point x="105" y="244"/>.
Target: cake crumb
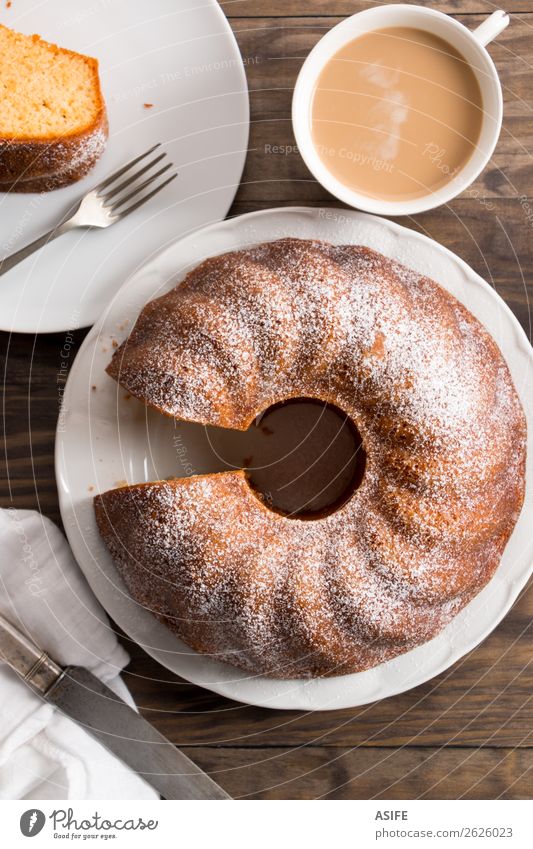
<point x="148" y="105"/>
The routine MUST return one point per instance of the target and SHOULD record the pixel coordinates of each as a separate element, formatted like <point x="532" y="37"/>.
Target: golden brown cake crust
<point x="441" y="424"/>
<point x="29" y="164"/>
<point x="41" y="166"/>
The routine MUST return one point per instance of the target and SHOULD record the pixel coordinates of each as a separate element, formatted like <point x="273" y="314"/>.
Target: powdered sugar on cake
<point x="440" y="421"/>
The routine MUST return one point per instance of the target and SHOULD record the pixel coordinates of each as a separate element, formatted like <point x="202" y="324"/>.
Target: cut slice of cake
<point x="53" y="123"/>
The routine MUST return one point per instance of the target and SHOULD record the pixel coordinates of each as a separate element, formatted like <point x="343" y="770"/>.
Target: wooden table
<point x="466" y="733"/>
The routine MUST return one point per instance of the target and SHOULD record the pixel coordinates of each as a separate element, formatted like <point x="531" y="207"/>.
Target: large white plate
<point x="104" y="438"/>
<point x="179" y="55"/>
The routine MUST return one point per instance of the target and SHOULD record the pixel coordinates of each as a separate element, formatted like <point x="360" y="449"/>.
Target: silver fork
<point x="105" y="204"/>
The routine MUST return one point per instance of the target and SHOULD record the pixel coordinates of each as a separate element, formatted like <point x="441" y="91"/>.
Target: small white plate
<point x="104" y="439"/>
<point x="180" y="56"/>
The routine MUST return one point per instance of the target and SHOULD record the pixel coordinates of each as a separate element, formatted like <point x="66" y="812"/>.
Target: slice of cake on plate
<point x="53" y="123"/>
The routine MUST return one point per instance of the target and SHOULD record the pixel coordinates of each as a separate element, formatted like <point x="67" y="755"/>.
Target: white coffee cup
<point x="470" y="43"/>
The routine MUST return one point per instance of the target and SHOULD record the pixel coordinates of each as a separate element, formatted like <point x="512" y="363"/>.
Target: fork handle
<point x="9" y="262"/>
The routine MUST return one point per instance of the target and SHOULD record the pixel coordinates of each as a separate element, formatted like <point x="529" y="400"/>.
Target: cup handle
<point x="493" y="26"/>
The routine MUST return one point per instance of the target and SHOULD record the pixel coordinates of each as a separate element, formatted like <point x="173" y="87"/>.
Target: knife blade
<point x="80" y="695"/>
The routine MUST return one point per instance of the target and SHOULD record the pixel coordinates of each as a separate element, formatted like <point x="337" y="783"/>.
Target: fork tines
<point x="115" y="196"/>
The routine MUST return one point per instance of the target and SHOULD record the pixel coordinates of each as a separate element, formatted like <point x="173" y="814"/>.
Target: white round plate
<point x="105" y="439"/>
<point x="180" y="56"/>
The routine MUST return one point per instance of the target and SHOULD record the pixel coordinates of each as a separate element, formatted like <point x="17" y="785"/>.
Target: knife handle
<point x="30" y="662"/>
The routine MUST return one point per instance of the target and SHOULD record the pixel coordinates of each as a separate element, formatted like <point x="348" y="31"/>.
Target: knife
<point x="84" y="698"/>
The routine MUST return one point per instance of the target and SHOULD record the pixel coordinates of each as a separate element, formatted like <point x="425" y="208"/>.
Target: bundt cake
<point x="53" y="123"/>
<point x="441" y="425"/>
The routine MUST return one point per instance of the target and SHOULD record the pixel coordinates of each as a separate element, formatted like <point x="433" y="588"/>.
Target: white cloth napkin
<point x="44" y="755"/>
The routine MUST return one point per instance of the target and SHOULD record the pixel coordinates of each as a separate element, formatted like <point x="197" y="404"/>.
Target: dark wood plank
<point x="390" y="749"/>
<point x="273" y="52"/>
<point x="370" y="773"/>
<point x="283" y="8"/>
<point x="33" y="384"/>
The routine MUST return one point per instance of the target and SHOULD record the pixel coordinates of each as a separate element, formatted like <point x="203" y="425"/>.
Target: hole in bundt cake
<point x="308" y="458"/>
<point x="303" y="457"/>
